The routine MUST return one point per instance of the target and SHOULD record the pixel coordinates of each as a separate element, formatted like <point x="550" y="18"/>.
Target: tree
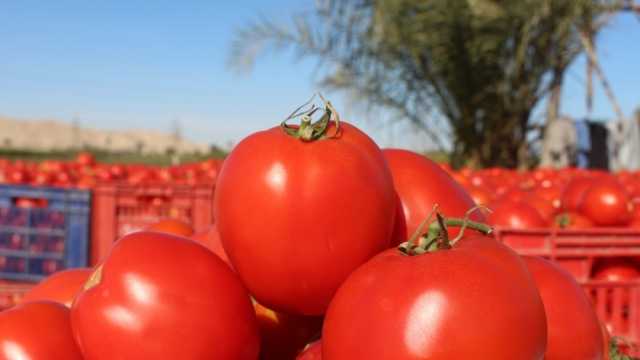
<point x="467" y="72"/>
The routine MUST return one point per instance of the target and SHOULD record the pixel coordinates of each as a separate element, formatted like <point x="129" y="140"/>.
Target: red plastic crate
<point x="574" y="250"/>
<point x="121" y="209"/>
<point x="11" y="293"/>
<point x="618" y="306"/>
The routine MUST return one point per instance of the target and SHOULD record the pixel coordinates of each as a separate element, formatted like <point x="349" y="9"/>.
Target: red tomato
<point x="85" y="158"/>
<point x="474" y="301"/>
<point x="37" y="331"/>
<point x="420" y="184"/>
<point x="572" y="220"/>
<point x="159" y="296"/>
<point x="574" y="192"/>
<point x="301" y="206"/>
<point x="615" y="270"/>
<point x="312" y="352"/>
<point x="606" y="203"/>
<point x="544" y="207"/>
<point x="172" y="226"/>
<point x="480" y="195"/>
<point x="211" y="239"/>
<point x="574" y="331"/>
<point x="61" y="287"/>
<point x="284" y="336"/>
<point x="516" y="215"/>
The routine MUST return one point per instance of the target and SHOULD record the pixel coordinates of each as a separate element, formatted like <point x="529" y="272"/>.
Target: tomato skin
<point x="516" y="215"/>
<point x="439" y="305"/>
<point x="606" y="203"/>
<point x="160" y="297"/>
<point x="61" y="287"/>
<point x="37" y="331"/>
<point x="421" y="183"/>
<point x="573" y="328"/>
<point x="312" y="352"/>
<point x="211" y="239"/>
<point x="172" y="226"/>
<point x="302" y="206"/>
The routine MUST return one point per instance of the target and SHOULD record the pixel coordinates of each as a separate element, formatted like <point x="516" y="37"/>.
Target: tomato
<point x="61" y="287"/>
<point x="420" y="184"/>
<point x="312" y="352"/>
<point x="516" y="215"/>
<point x="85" y="158"/>
<point x="572" y="220"/>
<point x="37" y="331"/>
<point x="545" y="208"/>
<point x="301" y="206"/>
<point x="481" y="195"/>
<point x="574" y="192"/>
<point x="606" y="203"/>
<point x="159" y="296"/>
<point x="284" y="336"/>
<point x="473" y="301"/>
<point x="574" y="330"/>
<point x="172" y="226"/>
<point x="617" y="269"/>
<point x="211" y="239"/>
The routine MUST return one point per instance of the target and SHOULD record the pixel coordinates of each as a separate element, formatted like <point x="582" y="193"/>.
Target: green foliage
<point x="467" y="72"/>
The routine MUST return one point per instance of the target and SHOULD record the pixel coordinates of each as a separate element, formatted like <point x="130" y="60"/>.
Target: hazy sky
<point x="122" y="64"/>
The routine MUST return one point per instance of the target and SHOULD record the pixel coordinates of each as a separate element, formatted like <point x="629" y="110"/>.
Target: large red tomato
<point x="61" y="287"/>
<point x="37" y="331"/>
<point x="158" y="296"/>
<point x="473" y="301"/>
<point x="572" y="220"/>
<point x="296" y="216"/>
<point x="516" y="215"/>
<point x="420" y="184"/>
<point x="312" y="352"/>
<point x="574" y="332"/>
<point x="606" y="203"/>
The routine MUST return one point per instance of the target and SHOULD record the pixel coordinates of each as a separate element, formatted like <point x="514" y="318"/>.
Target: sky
<point x="123" y="64"/>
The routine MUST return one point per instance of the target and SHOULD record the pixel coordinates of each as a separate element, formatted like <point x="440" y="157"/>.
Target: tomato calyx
<point x="308" y="130"/>
<point x="437" y="238"/>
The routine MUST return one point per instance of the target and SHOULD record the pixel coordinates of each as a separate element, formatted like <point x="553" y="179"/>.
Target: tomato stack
<point x="324" y="247"/>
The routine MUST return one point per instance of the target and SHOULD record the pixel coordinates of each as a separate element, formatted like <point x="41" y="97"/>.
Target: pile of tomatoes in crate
<point x="566" y="198"/>
<point x="324" y="247"/>
<point x="85" y="173"/>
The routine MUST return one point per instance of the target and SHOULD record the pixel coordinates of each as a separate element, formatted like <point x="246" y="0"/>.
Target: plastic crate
<point x="574" y="250"/>
<point x="12" y="293"/>
<point x="122" y="209"/>
<point x="42" y="230"/>
<point x="618" y="307"/>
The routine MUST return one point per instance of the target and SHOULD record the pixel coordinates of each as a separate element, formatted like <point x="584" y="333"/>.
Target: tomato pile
<point x="326" y="247"/>
<point x="85" y="173"/>
<point x="567" y="198"/>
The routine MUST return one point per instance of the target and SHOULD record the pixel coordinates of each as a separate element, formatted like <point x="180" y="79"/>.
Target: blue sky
<point x="143" y="64"/>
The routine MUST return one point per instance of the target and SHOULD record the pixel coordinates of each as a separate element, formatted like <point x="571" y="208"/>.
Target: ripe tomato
<point x="37" y="331"/>
<point x="283" y="336"/>
<point x="172" y="226"/>
<point x="572" y="220"/>
<point x="61" y="287"/>
<point x="473" y="301"/>
<point x="211" y="239"/>
<point x="313" y="351"/>
<point x="606" y="203"/>
<point x="420" y="184"/>
<point x="159" y="296"/>
<point x="545" y="208"/>
<point x="301" y="206"/>
<point x="574" y="331"/>
<point x="86" y="159"/>
<point x="516" y="215"/>
<point x="574" y="192"/>
<point x="617" y="269"/>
